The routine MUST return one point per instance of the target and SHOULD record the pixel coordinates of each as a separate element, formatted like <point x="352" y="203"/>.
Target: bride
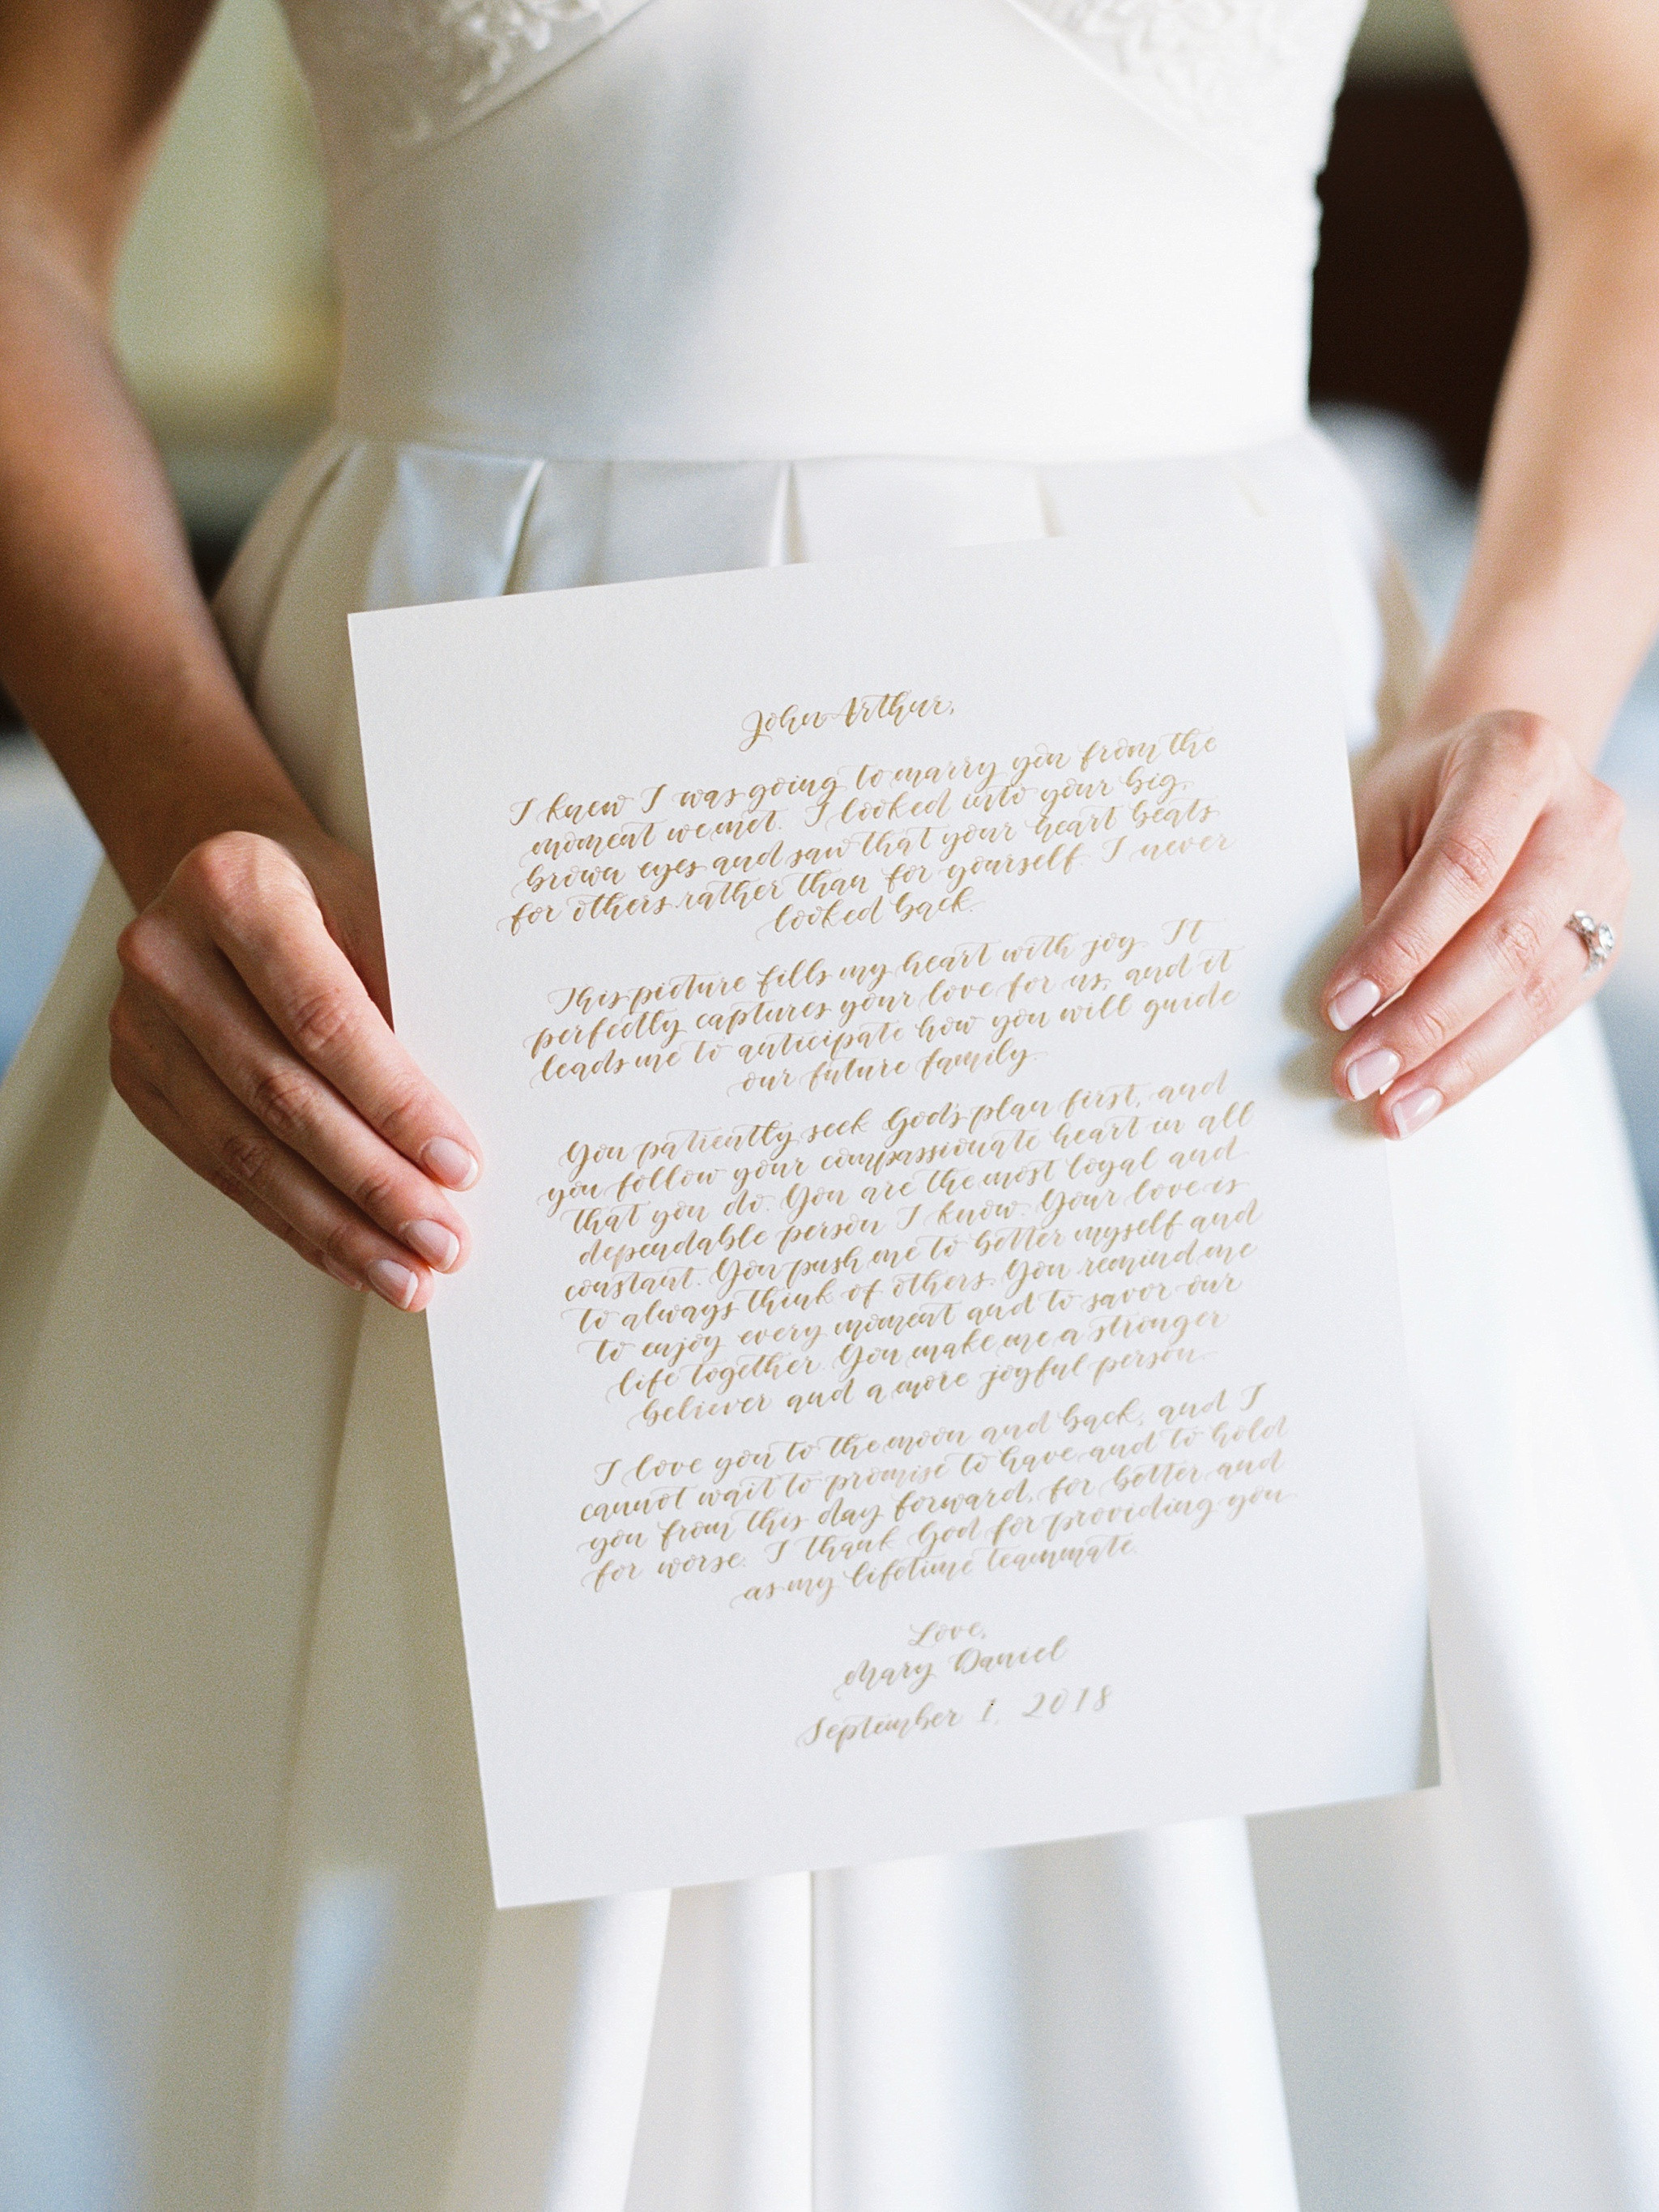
<point x="640" y="287"/>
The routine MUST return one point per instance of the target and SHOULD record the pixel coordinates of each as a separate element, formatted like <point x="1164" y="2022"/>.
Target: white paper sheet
<point x="930" y="1374"/>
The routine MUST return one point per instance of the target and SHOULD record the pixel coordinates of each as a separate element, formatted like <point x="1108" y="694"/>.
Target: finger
<point x="268" y="925"/>
<point x="1491" y="955"/>
<point x="1561" y="983"/>
<point x="205" y="999"/>
<point x="1498" y="788"/>
<point x="243" y="1150"/>
<point x="155" y="1112"/>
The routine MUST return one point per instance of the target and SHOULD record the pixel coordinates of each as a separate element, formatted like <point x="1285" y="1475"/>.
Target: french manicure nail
<point x="1352" y="1005"/>
<point x="452" y="1163"/>
<point x="432" y="1242"/>
<point x="1411" y="1112"/>
<point x="396" y="1284"/>
<point x="1372" y="1071"/>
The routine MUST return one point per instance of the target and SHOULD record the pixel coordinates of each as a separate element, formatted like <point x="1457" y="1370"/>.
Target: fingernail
<point x="396" y="1284"/>
<point x="340" y="1275"/>
<point x="1372" y="1071"/>
<point x="1352" y="1005"/>
<point x="432" y="1242"/>
<point x="452" y="1163"/>
<point x="1411" y="1112"/>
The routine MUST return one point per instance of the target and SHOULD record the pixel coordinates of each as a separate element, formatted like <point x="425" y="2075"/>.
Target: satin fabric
<point x="736" y="229"/>
<point x="247" y="1953"/>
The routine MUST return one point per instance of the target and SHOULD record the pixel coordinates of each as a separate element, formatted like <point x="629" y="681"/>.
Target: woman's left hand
<point x="1476" y="845"/>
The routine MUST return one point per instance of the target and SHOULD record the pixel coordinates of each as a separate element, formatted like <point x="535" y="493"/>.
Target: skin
<point x="250" y="1032"/>
<point x="1481" y="827"/>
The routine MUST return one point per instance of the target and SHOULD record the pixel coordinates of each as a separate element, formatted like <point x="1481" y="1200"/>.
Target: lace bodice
<point x="389" y="74"/>
<point x="690" y="230"/>
<point x="1249" y="82"/>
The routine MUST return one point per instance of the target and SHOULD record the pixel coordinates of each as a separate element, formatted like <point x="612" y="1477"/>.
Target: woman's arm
<point x="1563" y="595"/>
<point x="250" y="1033"/>
<point x="1482" y="829"/>
<point x="107" y="645"/>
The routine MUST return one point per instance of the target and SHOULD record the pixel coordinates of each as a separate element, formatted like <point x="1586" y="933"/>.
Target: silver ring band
<point x="1597" y="938"/>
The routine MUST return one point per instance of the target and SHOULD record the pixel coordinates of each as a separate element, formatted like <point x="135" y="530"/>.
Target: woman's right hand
<point x="251" y="1034"/>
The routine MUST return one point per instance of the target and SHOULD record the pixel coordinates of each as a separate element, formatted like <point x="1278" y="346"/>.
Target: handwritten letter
<point x="930" y="1374"/>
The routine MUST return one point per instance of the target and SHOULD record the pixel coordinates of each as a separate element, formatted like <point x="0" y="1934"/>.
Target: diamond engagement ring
<point x="1597" y="938"/>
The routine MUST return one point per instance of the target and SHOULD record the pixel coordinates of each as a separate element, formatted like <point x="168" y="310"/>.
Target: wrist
<point x="197" y="793"/>
<point x="147" y="850"/>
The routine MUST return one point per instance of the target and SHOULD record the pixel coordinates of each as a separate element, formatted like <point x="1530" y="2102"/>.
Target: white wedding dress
<point x="636" y="287"/>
